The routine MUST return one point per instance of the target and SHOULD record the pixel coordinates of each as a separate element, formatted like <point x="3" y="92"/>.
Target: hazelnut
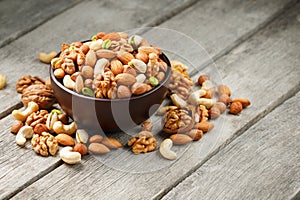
<point x="81" y="148"/>
<point x="223" y="89"/>
<point x="214" y="112"/>
<point x="235" y="108"/>
<point x="15" y="127"/>
<point x="196" y="134"/>
<point x="202" y="79"/>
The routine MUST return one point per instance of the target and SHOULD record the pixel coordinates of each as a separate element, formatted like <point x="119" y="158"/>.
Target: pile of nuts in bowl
<point x="112" y="65"/>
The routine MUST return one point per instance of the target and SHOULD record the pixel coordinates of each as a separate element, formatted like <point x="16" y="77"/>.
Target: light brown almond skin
<point x="195" y="134"/>
<point x="111" y="36"/>
<point x="81" y="148"/>
<point x="98" y="148"/>
<point x="214" y="112"/>
<point x="125" y="57"/>
<point x="90" y="58"/>
<point x="116" y="67"/>
<point x="245" y="102"/>
<point x="111" y="143"/>
<point x="181" y="139"/>
<point x="123" y="92"/>
<point x="224" y="98"/>
<point x="203" y="78"/>
<point x="16" y="126"/>
<point x="140" y="88"/>
<point x="204" y="126"/>
<point x="96" y="139"/>
<point x="224" y="89"/>
<point x="235" y="108"/>
<point x="142" y="56"/>
<point x="65" y="140"/>
<point x="125" y="79"/>
<point x="221" y="106"/>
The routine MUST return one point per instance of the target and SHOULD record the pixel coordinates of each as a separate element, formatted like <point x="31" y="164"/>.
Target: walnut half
<point x="44" y="144"/>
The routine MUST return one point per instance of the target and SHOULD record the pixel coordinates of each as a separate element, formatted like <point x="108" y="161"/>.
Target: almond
<point x="245" y="102"/>
<point x="40" y="128"/>
<point x="224" y="99"/>
<point x="65" y="140"/>
<point x="125" y="79"/>
<point x="111" y="143"/>
<point x="142" y="56"/>
<point x="98" y="148"/>
<point x="125" y="57"/>
<point x="204" y="126"/>
<point x="16" y="126"/>
<point x="90" y="58"/>
<point x="100" y="35"/>
<point x="85" y="48"/>
<point x="148" y="50"/>
<point x="116" y="67"/>
<point x="214" y="112"/>
<point x="96" y="139"/>
<point x="123" y="92"/>
<point x="140" y="88"/>
<point x="221" y="106"/>
<point x="180" y="139"/>
<point x="235" y="108"/>
<point x="104" y="53"/>
<point x="223" y="89"/>
<point x="195" y="134"/>
<point x="111" y="36"/>
<point x="80" y="148"/>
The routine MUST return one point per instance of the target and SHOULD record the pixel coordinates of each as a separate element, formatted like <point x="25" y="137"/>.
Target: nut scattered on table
<point x="44" y="144"/>
<point x="69" y="156"/>
<point x="142" y="143"/>
<point x="39" y="93"/>
<point x="47" y="57"/>
<point x="25" y="81"/>
<point x="2" y="81"/>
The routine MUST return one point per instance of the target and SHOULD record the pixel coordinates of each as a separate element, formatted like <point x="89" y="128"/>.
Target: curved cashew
<point x="59" y="127"/>
<point x="68" y="82"/>
<point x="51" y="119"/>
<point x="22" y="115"/>
<point x="69" y="156"/>
<point x="26" y="132"/>
<point x="195" y="96"/>
<point x="177" y="101"/>
<point x="165" y="149"/>
<point x="208" y="84"/>
<point x="208" y="103"/>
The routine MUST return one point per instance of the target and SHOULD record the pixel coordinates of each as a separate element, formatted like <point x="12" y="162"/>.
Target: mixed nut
<point x="112" y="65"/>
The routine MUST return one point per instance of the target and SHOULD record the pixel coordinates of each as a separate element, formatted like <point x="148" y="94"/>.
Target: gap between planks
<point x="263" y="114"/>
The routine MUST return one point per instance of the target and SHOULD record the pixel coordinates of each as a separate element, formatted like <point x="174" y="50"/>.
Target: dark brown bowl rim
<point x="168" y="74"/>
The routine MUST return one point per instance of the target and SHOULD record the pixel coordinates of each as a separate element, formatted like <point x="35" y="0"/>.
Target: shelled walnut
<point x="38" y="117"/>
<point x="40" y="94"/>
<point x="178" y="120"/>
<point x="26" y="81"/>
<point x="142" y="143"/>
<point x="44" y="144"/>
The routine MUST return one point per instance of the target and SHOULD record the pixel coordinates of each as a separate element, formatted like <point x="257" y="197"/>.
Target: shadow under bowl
<point x="110" y="115"/>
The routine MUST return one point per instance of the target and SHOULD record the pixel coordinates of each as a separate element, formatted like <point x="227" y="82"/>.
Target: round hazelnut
<point x="81" y="148"/>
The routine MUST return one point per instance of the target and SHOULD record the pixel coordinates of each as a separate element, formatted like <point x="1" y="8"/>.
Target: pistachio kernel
<point x="153" y="81"/>
<point x="88" y="92"/>
<point x="56" y="111"/>
<point x="106" y="44"/>
<point x="71" y="48"/>
<point x="94" y="38"/>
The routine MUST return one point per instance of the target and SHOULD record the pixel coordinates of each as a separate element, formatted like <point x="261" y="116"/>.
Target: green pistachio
<point x="94" y="38"/>
<point x="106" y="44"/>
<point x="88" y="92"/>
<point x="72" y="48"/>
<point x="56" y="111"/>
<point x="153" y="81"/>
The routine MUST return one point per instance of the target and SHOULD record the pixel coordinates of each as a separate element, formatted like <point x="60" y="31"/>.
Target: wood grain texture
<point x="19" y="17"/>
<point x="20" y="57"/>
<point x="251" y="69"/>
<point x="263" y="163"/>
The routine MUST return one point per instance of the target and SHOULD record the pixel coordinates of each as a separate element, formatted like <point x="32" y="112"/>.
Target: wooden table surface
<point x="255" y="45"/>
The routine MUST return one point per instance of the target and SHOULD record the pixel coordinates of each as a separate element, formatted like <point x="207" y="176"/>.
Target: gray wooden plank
<point x="263" y="163"/>
<point x="266" y="62"/>
<point x="79" y="23"/>
<point x="19" y="17"/>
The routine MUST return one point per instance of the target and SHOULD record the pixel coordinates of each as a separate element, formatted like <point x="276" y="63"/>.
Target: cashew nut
<point x="165" y="149"/>
<point x="208" y="103"/>
<point x="177" y="101"/>
<point x="22" y="115"/>
<point x="59" y="127"/>
<point x="82" y="136"/>
<point x="47" y="57"/>
<point x="26" y="132"/>
<point x="206" y="85"/>
<point x="51" y="119"/>
<point x="195" y="96"/>
<point x="68" y="82"/>
<point x="69" y="156"/>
